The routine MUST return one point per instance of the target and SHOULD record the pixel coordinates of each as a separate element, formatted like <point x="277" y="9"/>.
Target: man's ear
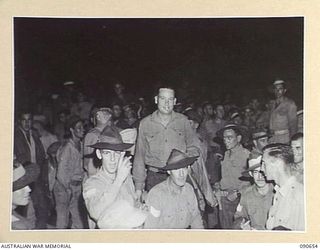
<point x="239" y="137"/>
<point x="98" y="154"/>
<point x="156" y="99"/>
<point x="175" y="101"/>
<point x="250" y="173"/>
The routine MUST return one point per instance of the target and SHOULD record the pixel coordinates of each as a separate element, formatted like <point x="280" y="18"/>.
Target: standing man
<point x="287" y="211"/>
<point x="297" y="148"/>
<point x="233" y="164"/>
<point x="29" y="149"/>
<point x="70" y="174"/>
<point x="173" y="203"/>
<point x="158" y="134"/>
<point x="283" y="118"/>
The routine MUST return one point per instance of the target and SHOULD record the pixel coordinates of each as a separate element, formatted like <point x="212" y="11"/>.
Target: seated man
<point x="173" y="203"/>
<point x="256" y="200"/>
<point x="109" y="194"/>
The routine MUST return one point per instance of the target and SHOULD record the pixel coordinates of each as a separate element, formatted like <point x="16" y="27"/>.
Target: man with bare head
<point x="158" y="134"/>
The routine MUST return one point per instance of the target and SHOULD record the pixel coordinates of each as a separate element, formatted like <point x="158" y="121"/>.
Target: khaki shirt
<point x="155" y="143"/>
<point x="233" y="164"/>
<point x="170" y="209"/>
<point x="255" y="207"/>
<point x="288" y="206"/>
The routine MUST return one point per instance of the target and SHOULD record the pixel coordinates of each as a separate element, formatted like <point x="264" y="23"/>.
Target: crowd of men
<point x="125" y="165"/>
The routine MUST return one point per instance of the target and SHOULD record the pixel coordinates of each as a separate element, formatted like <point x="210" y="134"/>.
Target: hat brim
<point x="245" y="173"/>
<point x="180" y="164"/>
<point x="110" y="146"/>
<point x="31" y="175"/>
<point x="244" y="132"/>
<point x="262" y="136"/>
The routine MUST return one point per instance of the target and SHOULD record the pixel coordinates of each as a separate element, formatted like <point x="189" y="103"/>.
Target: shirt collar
<point x="155" y="116"/>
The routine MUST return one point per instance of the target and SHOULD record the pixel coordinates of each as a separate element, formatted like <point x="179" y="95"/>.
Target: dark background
<point x="215" y="55"/>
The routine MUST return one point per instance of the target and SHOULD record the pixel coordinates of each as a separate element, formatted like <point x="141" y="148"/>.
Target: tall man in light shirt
<point x="158" y="134"/>
<point x="287" y="211"/>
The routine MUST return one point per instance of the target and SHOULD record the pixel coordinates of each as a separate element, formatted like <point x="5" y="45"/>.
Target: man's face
<point x="279" y="90"/>
<point x="165" y="101"/>
<point x="116" y="111"/>
<point x="78" y="130"/>
<point x="208" y="109"/>
<point x="258" y="177"/>
<point x="269" y="166"/>
<point x="26" y="122"/>
<point x="297" y="148"/>
<point x="219" y="111"/>
<point x="179" y="176"/>
<point x="230" y="138"/>
<point x="110" y="160"/>
<point x="103" y="116"/>
<point x="261" y="143"/>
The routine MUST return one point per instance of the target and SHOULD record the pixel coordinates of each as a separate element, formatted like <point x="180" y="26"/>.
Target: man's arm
<point x="196" y="220"/>
<point x="192" y="150"/>
<point x="138" y="171"/>
<point x="292" y="118"/>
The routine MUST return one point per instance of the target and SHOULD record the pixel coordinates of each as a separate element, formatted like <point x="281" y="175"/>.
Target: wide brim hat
<point x="111" y="139"/>
<point x="244" y="132"/>
<point x="25" y="175"/>
<point x="254" y="162"/>
<point x="178" y="159"/>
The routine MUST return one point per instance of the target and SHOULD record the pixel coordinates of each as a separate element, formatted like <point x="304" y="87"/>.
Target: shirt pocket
<point x="177" y="135"/>
<point x="154" y="141"/>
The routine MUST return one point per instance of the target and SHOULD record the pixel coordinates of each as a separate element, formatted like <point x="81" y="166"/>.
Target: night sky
<point x="215" y="55"/>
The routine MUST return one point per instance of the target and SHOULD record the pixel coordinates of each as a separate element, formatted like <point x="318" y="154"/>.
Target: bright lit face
<point x="110" y="160"/>
<point x="231" y="139"/>
<point x="179" y="176"/>
<point x="297" y="148"/>
<point x="165" y="100"/>
<point x="258" y="177"/>
<point x="219" y="111"/>
<point x="26" y="122"/>
<point x="269" y="166"/>
<point x="261" y="143"/>
<point x="279" y="90"/>
<point x="78" y="130"/>
<point x="103" y="116"/>
<point x="21" y="196"/>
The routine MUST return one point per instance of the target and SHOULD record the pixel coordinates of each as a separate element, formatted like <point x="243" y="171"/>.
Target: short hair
<point x="280" y="151"/>
<point x="166" y="87"/>
<point x="297" y="136"/>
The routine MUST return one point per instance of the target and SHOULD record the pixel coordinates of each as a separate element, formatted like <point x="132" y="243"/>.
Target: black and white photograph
<point x="126" y="123"/>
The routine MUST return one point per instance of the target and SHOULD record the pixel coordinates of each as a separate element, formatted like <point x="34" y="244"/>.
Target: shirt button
<point x="166" y="140"/>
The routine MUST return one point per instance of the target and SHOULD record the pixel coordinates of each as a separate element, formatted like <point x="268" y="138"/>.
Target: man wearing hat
<point x="70" y="173"/>
<point x="22" y="177"/>
<point x="233" y="164"/>
<point x="172" y="203"/>
<point x="260" y="139"/>
<point x="287" y="211"/>
<point x="256" y="200"/>
<point x="102" y="117"/>
<point x="109" y="194"/>
<point x="158" y="134"/>
<point x="283" y="118"/>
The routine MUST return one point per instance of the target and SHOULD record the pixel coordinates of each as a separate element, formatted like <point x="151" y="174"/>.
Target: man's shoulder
<point x="93" y="131"/>
<point x="288" y="101"/>
<point x="158" y="189"/>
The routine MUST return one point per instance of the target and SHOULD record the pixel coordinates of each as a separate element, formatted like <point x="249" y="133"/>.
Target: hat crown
<point x="255" y="161"/>
<point x="110" y="135"/>
<point x="176" y="156"/>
